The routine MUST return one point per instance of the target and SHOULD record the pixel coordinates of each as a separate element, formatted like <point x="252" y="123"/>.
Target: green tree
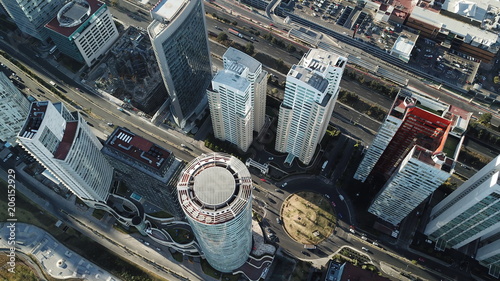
<point x="291" y="48"/>
<point x="222" y="37"/>
<point x="485" y="118"/>
<point x="249" y="48"/>
<point x="280" y="63"/>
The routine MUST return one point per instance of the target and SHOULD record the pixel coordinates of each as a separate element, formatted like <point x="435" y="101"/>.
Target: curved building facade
<point x="215" y="192"/>
<point x="179" y="37"/>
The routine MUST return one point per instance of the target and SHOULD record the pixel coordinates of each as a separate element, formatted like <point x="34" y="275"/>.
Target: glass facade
<point x="31" y="16"/>
<point x="215" y="193"/>
<point x="471" y="222"/>
<point x="188" y="60"/>
<point x="226" y="246"/>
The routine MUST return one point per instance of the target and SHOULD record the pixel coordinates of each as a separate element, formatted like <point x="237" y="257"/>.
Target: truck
<point x="324" y="165"/>
<point x="235" y="32"/>
<point x="309" y="247"/>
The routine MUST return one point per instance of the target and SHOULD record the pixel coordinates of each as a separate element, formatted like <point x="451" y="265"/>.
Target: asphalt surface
<point x="347" y="117"/>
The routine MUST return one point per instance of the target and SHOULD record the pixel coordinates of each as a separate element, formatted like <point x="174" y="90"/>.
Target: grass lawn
<point x="301" y="271"/>
<point x="282" y="269"/>
<point x="209" y="270"/>
<point x="178" y="256"/>
<point x="24" y="271"/>
<point x="98" y="214"/>
<point x="180" y="235"/>
<point x="161" y="214"/>
<point x="308" y="217"/>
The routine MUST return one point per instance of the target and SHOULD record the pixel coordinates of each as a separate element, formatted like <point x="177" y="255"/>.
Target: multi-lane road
<point x="102" y="113"/>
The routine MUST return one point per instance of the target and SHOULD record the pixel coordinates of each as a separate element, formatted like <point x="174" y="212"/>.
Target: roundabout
<point x="308" y="217"/>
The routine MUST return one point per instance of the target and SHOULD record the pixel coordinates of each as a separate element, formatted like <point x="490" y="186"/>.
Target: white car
<point x="327" y="196"/>
<point x="283" y="185"/>
<point x="365" y="249"/>
<point x="110" y="124"/>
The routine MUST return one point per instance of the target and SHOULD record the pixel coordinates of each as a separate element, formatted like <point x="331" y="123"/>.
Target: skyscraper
<point x="179" y="40"/>
<point x="62" y="142"/>
<point x="414" y="152"/>
<point x="311" y="91"/>
<point x="31" y="16"/>
<point x="237" y="99"/>
<point x="251" y="69"/>
<point x="215" y="193"/>
<point x="471" y="213"/>
<point x="14" y="108"/>
<point x="83" y="30"/>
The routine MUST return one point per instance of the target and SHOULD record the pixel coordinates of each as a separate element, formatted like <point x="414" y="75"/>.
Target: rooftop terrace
<point x="138" y="148"/>
<point x="72" y="15"/>
<point x="34" y="120"/>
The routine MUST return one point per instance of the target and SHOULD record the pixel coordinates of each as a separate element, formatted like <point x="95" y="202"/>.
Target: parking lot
<point x="351" y="20"/>
<point x="440" y="63"/>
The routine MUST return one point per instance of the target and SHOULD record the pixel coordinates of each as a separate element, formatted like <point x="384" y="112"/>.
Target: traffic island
<point x="308" y="217"/>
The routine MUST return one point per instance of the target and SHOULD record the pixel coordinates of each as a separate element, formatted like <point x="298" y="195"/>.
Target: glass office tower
<point x="179" y="39"/>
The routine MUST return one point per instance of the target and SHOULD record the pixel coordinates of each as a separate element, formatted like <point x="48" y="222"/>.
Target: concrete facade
<point x="312" y="88"/>
<point x="63" y="143"/>
<point x="83" y="30"/>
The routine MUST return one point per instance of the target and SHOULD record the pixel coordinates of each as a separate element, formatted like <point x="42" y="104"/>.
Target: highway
<point x="348" y="119"/>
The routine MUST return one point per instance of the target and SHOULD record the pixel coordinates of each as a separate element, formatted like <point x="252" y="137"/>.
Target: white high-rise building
<point x="14" y="108"/>
<point x="414" y="153"/>
<point x="311" y="91"/>
<point x="469" y="213"/>
<point x="31" y="16"/>
<point x="83" y="30"/>
<point x="237" y="99"/>
<point x="215" y="193"/>
<point x="179" y="38"/>
<point x="250" y="69"/>
<point x="63" y="143"/>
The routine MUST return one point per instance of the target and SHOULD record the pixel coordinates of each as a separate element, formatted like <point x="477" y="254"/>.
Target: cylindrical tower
<point x="215" y="192"/>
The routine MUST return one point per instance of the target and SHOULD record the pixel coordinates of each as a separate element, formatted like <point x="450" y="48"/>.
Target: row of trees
<point x="353" y="100"/>
<point x="480" y="130"/>
<point x="384" y="88"/>
<point x="38" y="79"/>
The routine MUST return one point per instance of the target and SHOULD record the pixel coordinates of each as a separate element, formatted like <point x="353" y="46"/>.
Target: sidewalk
<point x="128" y="247"/>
